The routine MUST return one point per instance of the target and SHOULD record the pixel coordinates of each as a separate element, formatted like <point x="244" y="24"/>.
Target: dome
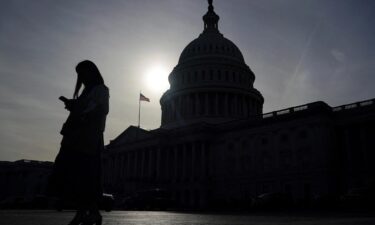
<point x="211" y="44"/>
<point x="211" y="82"/>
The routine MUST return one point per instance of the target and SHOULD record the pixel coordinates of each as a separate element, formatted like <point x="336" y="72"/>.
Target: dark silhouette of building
<point x="23" y="179"/>
<point x="215" y="145"/>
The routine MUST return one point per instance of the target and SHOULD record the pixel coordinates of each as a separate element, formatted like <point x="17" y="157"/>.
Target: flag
<point x="143" y="98"/>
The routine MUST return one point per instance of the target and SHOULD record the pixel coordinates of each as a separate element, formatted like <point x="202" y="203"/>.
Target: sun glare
<point x="156" y="78"/>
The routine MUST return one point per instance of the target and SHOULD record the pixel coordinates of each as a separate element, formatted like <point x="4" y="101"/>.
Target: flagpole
<point x="139" y="109"/>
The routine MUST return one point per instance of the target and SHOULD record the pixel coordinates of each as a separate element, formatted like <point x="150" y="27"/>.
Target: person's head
<point x="87" y="74"/>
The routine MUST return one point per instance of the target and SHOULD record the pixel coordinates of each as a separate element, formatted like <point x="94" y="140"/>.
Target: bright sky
<point x="300" y="52"/>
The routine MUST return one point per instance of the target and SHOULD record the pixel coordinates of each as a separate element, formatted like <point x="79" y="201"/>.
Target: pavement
<point x="34" y="217"/>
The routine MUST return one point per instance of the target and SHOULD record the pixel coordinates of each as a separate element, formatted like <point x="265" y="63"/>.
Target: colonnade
<point x="210" y="104"/>
<point x="188" y="79"/>
<point x="185" y="162"/>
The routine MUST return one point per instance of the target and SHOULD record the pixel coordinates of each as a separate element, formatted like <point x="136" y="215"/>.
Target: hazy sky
<point x="300" y="51"/>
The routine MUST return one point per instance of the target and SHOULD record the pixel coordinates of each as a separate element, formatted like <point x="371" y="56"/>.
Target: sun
<point x="156" y="78"/>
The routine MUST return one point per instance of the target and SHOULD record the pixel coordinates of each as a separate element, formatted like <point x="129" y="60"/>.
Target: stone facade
<point x="24" y="178"/>
<point x="216" y="146"/>
<point x="211" y="82"/>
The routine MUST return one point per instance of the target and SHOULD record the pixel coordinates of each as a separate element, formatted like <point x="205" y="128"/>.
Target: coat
<point x="76" y="174"/>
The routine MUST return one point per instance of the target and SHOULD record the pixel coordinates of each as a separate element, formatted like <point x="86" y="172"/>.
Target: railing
<point x="286" y="111"/>
<point x="353" y="105"/>
<point x="313" y="105"/>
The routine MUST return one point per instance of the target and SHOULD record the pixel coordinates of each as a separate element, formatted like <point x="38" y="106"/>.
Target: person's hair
<point x="87" y="74"/>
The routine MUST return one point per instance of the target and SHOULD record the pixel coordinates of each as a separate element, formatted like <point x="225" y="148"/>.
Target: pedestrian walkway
<point x="173" y="218"/>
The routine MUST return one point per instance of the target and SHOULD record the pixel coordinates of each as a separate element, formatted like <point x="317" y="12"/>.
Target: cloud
<point x="296" y="57"/>
<point x="338" y="55"/>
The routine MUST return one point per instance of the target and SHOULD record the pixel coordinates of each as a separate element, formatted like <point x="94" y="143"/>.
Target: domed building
<point x="211" y="82"/>
<point x="216" y="148"/>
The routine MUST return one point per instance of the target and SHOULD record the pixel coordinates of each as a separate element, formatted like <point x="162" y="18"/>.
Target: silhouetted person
<point x="77" y="172"/>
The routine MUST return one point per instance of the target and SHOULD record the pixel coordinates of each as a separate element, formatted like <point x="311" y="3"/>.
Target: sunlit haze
<point x="156" y="78"/>
<point x="300" y="52"/>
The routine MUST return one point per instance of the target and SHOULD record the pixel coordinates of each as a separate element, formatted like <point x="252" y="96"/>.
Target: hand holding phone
<point x="63" y="99"/>
<point x="67" y="102"/>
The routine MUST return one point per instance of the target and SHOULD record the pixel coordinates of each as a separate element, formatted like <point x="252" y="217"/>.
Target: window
<point x="284" y="138"/>
<point x="244" y="144"/>
<point x="302" y="134"/>
<point x="264" y="141"/>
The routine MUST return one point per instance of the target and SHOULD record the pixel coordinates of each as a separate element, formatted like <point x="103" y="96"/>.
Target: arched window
<point x="203" y="75"/>
<point x="302" y="134"/>
<point x="211" y="74"/>
<point x="284" y="138"/>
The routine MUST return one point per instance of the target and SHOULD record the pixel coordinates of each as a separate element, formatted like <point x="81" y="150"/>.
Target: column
<point x="152" y="163"/>
<point x="179" y="107"/>
<point x="197" y="108"/>
<point x="235" y="105"/>
<point x="188" y="161"/>
<point x="162" y="163"/>
<point x="173" y="116"/>
<point x="143" y="164"/>
<point x="167" y="164"/>
<point x="246" y="106"/>
<point x="183" y="162"/>
<point x="226" y="104"/>
<point x="216" y="111"/>
<point x="163" y="113"/>
<point x="115" y="172"/>
<point x="176" y="108"/>
<point x="127" y="163"/>
<point x="136" y="172"/>
<point x="203" y="161"/>
<point x="110" y="175"/>
<point x="170" y="111"/>
<point x="149" y="161"/>
<point x="239" y="105"/>
<point x="206" y="104"/>
<point x="191" y="105"/>
<point x="193" y="148"/>
<point x="122" y="166"/>
<point x="243" y="103"/>
<point x="118" y="166"/>
<point x="158" y="164"/>
<point x="207" y="159"/>
<point x="185" y="106"/>
<point x="132" y="164"/>
<point x="175" y="164"/>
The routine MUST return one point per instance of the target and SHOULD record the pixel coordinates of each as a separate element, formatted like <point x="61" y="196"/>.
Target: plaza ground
<point x="35" y="217"/>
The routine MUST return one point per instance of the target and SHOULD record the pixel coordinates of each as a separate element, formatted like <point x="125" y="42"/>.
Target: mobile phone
<point x="63" y="99"/>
